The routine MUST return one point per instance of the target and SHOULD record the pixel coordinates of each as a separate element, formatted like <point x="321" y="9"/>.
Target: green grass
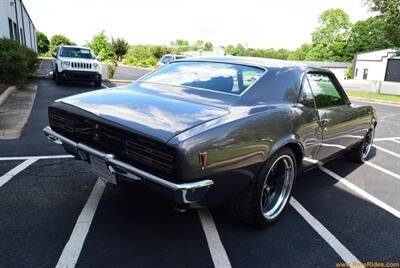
<point x="374" y="96"/>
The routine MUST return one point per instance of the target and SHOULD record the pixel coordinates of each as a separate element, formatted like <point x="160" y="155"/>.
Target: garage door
<point x="393" y="70"/>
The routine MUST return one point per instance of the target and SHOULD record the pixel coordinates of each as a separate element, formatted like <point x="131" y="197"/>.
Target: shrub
<point x="111" y="70"/>
<point x="349" y="72"/>
<point x="140" y="55"/>
<point x="17" y="62"/>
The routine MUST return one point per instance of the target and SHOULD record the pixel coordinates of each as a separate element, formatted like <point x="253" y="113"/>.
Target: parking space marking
<point x="394" y="140"/>
<point x="217" y="250"/>
<point x="384" y="170"/>
<point x="386" y="139"/>
<point x="104" y="85"/>
<point x="361" y="192"/>
<point x="386" y="150"/>
<point x="13" y="158"/>
<point x="332" y="241"/>
<point x="72" y="249"/>
<point x="10" y="174"/>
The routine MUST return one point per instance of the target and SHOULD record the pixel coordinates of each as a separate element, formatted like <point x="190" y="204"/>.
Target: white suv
<point x="76" y="63"/>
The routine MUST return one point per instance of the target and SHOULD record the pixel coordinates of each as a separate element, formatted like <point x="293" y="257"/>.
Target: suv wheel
<point x="266" y="197"/>
<point x="97" y="83"/>
<point x="58" y="78"/>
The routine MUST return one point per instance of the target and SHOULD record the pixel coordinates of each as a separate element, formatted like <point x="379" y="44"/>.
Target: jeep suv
<point x="76" y="63"/>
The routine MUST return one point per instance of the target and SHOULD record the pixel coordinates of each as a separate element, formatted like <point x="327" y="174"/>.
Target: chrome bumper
<point x="184" y="193"/>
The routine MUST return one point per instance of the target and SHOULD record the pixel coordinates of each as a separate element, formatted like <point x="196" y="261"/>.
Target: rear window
<point x="221" y="77"/>
<point x="166" y="59"/>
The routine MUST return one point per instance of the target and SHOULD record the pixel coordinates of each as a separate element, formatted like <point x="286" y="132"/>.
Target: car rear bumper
<point x="80" y="75"/>
<point x="183" y="193"/>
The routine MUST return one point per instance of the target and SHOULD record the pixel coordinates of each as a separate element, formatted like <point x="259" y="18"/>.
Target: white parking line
<point x="73" y="248"/>
<point x="10" y="174"/>
<point x="361" y="192"/>
<point x="104" y="85"/>
<point x="217" y="250"/>
<point x="382" y="169"/>
<point x="11" y="158"/>
<point x="386" y="139"/>
<point x="396" y="141"/>
<point x="386" y="150"/>
<point x="332" y="241"/>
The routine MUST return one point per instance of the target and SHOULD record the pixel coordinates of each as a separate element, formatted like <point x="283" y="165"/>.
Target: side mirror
<point x="54" y="54"/>
<point x="98" y="58"/>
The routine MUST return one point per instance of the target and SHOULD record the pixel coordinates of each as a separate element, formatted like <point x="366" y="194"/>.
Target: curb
<point x="6" y="94"/>
<point x="376" y="101"/>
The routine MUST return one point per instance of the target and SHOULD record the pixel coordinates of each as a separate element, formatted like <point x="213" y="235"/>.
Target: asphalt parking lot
<point x="54" y="212"/>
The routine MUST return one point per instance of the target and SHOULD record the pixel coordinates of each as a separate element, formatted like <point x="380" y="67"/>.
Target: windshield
<point x="221" y="77"/>
<point x="75" y="52"/>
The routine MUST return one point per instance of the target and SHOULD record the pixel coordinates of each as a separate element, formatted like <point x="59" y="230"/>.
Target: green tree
<point x="199" y="44"/>
<point x="367" y="35"/>
<point x="329" y="40"/>
<point x="140" y="55"/>
<point x="208" y="46"/>
<point x="300" y="54"/>
<point x="119" y="47"/>
<point x="101" y="47"/>
<point x="59" y="39"/>
<point x="43" y="42"/>
<point x="180" y="45"/>
<point x="159" y="51"/>
<point x="390" y="13"/>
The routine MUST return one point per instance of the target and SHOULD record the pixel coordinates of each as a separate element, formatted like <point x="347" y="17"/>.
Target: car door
<point x="310" y="133"/>
<point x="337" y="119"/>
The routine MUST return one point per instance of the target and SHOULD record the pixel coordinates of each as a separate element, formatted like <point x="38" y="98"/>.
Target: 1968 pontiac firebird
<point x="216" y="130"/>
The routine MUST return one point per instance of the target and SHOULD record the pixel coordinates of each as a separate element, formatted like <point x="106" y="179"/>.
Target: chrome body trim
<point x="184" y="193"/>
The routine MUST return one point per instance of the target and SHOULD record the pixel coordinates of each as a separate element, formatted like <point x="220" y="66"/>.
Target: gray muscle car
<point x="216" y="130"/>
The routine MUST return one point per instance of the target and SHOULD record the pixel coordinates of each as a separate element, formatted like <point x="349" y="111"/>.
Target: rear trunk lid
<point x="156" y="116"/>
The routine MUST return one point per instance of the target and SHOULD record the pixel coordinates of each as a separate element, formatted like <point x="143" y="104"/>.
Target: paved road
<point x="47" y="205"/>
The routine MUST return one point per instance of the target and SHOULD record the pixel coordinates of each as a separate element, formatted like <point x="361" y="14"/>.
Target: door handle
<point x="323" y="122"/>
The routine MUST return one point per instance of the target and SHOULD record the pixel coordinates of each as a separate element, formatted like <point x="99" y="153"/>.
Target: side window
<point x="306" y="97"/>
<point x="325" y="92"/>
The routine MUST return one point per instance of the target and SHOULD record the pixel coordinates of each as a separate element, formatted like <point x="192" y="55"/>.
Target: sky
<point x="254" y="23"/>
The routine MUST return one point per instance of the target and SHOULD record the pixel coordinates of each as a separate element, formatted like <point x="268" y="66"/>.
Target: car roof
<point x="252" y="61"/>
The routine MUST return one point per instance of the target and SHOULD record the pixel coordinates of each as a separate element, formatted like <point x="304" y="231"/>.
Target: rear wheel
<point x="361" y="151"/>
<point x="265" y="199"/>
<point x="97" y="83"/>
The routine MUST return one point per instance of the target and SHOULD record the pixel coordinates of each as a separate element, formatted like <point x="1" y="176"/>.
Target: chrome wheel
<point x="367" y="143"/>
<point x="277" y="186"/>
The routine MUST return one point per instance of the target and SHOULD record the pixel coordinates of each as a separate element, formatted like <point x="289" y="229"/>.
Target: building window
<point x="365" y="75"/>
<point x="16" y="32"/>
<point x="21" y="36"/>
<point x="356" y="73"/>
<point x="10" y="28"/>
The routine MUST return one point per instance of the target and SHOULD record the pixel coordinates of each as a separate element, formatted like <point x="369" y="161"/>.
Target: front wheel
<point x="266" y="197"/>
<point x="97" y="83"/>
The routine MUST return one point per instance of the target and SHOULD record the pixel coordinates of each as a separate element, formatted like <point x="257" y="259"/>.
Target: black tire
<point x="358" y="153"/>
<point x="54" y="75"/>
<point x="59" y="81"/>
<point x="97" y="83"/>
<point x="248" y="207"/>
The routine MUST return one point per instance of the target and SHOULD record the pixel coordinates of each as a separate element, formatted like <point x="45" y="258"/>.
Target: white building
<point x="380" y="65"/>
<point x="16" y="24"/>
<point x="217" y="51"/>
<point x="337" y="68"/>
